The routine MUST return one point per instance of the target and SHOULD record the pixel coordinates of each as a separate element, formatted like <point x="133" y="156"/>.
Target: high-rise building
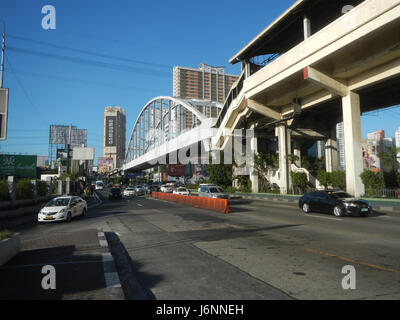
<point x="340" y="141"/>
<point x="206" y="83"/>
<point x="397" y="142"/>
<point x="114" y="135"/>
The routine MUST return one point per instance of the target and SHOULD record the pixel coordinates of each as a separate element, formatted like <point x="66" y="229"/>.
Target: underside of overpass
<point x="344" y="66"/>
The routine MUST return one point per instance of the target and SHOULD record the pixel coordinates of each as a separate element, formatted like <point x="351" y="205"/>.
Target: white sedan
<point x="63" y="209"/>
<point x="182" y="191"/>
<point x="129" y="192"/>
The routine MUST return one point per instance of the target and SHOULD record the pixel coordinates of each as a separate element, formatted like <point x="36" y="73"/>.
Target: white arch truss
<point x="164" y="118"/>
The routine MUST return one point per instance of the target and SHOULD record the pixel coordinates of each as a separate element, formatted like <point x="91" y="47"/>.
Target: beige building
<point x="206" y="83"/>
<point x="114" y="135"/>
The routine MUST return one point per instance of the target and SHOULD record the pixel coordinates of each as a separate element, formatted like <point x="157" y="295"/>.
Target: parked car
<point x="181" y="191"/>
<point x="212" y="191"/>
<point x="129" y="192"/>
<point x="62" y="209"/>
<point x="338" y="203"/>
<point x="115" y="193"/>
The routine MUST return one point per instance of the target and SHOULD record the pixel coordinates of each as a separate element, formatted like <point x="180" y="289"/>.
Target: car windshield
<point x="60" y="202"/>
<point x="215" y="190"/>
<point x="181" y="189"/>
<point x="115" y="190"/>
<point x="341" y="195"/>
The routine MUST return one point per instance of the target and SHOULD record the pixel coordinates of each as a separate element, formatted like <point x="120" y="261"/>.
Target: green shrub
<point x="5" y="234"/>
<point x="338" y="179"/>
<point x="230" y="189"/>
<point x="324" y="178"/>
<point x="41" y="188"/>
<point x="192" y="186"/>
<point x="24" y="189"/>
<point x="4" y="191"/>
<point x="299" y="179"/>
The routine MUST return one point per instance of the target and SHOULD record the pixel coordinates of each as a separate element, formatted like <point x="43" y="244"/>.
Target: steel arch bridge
<point x="166" y="119"/>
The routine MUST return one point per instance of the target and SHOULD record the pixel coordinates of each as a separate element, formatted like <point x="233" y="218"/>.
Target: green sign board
<point x="18" y="165"/>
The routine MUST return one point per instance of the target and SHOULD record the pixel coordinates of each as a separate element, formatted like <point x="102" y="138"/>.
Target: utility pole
<point x="69" y="150"/>
<point x="3" y="47"/>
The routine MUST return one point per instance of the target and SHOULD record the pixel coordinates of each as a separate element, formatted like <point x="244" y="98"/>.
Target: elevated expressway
<point x="348" y="66"/>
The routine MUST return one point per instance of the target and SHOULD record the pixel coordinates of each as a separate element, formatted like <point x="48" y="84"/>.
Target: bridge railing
<point x="232" y="95"/>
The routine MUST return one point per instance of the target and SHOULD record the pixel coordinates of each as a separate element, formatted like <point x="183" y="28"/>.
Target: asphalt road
<point x="261" y="250"/>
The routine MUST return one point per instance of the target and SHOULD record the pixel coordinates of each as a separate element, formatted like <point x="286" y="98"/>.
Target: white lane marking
<point x="140" y="205"/>
<point x="329" y="218"/>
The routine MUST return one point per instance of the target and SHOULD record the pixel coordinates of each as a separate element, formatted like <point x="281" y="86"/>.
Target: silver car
<point x="212" y="191"/>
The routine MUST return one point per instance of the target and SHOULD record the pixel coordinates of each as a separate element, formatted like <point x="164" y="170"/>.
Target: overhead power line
<point x="101" y="64"/>
<point x="90" y="52"/>
<point x="25" y="92"/>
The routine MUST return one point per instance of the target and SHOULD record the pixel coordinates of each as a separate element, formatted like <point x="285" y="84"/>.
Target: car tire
<point x="305" y="207"/>
<point x="84" y="212"/>
<point x="337" y="211"/>
<point x="69" y="217"/>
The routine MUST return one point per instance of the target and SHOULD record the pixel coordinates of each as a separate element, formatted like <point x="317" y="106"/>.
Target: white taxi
<point x="63" y="209"/>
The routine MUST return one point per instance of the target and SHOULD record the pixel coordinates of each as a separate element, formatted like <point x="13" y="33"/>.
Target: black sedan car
<point x="338" y="203"/>
<point x="115" y="193"/>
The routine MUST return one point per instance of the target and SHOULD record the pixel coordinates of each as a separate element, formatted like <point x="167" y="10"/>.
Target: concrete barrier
<point x="9" y="248"/>
<point x="219" y="205"/>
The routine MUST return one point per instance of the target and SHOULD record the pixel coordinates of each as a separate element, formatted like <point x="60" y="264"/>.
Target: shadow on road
<point x="135" y="283"/>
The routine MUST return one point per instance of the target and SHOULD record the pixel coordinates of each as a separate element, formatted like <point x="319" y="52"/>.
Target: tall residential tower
<point x="114" y="135"/>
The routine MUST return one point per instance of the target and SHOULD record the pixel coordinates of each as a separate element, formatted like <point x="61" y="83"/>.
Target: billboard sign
<point x="3" y="113"/>
<point x="61" y="153"/>
<point x="80" y="153"/>
<point x="105" y="164"/>
<point x="18" y="165"/>
<point x="60" y="135"/>
<point x="111" y="122"/>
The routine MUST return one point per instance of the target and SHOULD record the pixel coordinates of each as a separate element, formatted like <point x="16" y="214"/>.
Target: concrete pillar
<point x="67" y="186"/>
<point x="253" y="172"/>
<point x="60" y="188"/>
<point x="12" y="189"/>
<point x="297" y="152"/>
<point x="352" y="143"/>
<point x="35" y="194"/>
<point x="306" y="27"/>
<point x="331" y="152"/>
<point x="281" y="133"/>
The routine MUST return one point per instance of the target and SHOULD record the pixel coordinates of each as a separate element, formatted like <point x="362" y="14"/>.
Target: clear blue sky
<point x="158" y="34"/>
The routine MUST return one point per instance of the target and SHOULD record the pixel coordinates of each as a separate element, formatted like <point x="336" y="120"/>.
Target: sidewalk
<point x="84" y="269"/>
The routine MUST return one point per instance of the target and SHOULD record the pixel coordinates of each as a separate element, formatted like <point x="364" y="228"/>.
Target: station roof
<point x="287" y="30"/>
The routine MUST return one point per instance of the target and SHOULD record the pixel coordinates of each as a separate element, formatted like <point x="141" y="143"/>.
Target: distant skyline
<point x="119" y="54"/>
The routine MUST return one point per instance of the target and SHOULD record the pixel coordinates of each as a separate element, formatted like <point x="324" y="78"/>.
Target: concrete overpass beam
<point x="263" y="110"/>
<point x="352" y="143"/>
<point x="281" y="133"/>
<point x="325" y="81"/>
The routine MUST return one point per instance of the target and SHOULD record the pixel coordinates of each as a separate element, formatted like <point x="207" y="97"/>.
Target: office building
<point x="340" y="142"/>
<point x="114" y="135"/>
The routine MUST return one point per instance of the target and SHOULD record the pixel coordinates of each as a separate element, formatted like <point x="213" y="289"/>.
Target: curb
<point x="114" y="288"/>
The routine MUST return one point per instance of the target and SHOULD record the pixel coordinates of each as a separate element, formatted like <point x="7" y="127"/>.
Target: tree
<point x="263" y="162"/>
<point x="389" y="158"/>
<point x="220" y="174"/>
<point x="373" y="181"/>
